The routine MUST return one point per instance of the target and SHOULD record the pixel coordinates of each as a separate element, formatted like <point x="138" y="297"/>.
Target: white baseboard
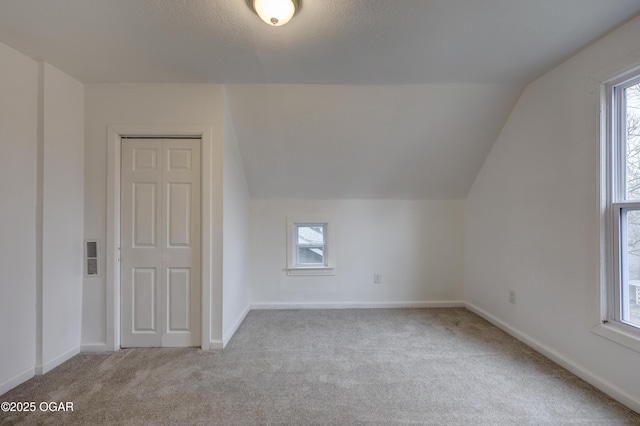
<point x="363" y="305"/>
<point x="16" y="380"/>
<point x="604" y="385"/>
<point x="60" y="359"/>
<point x="93" y="347"/>
<point x="229" y="334"/>
<point x="215" y="345"/>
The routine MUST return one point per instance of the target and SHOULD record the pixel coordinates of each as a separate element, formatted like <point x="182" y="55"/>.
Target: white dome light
<point x="275" y="12"/>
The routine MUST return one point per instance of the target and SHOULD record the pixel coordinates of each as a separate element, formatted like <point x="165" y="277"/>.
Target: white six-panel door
<point x="160" y="243"/>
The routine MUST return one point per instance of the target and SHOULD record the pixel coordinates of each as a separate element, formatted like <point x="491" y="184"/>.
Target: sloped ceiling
<point x="327" y="141"/>
<point x="352" y="98"/>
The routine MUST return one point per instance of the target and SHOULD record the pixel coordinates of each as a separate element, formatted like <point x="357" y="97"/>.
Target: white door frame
<point x="115" y="133"/>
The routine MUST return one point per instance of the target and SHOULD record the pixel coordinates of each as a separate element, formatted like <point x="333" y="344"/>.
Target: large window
<point x="623" y="202"/>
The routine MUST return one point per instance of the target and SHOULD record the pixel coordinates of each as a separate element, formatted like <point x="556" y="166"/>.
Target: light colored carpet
<point x="342" y="367"/>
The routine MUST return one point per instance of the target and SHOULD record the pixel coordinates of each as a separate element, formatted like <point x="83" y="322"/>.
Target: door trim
<point x="115" y="133"/>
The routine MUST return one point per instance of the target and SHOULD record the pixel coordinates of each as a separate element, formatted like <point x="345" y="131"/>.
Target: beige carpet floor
<point x="319" y="367"/>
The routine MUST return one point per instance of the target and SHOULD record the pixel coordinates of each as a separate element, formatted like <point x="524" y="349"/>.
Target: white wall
<point x="417" y="246"/>
<point x="532" y="219"/>
<point x="235" y="293"/>
<point x="41" y="158"/>
<point x="62" y="216"/>
<point x="18" y="142"/>
<point x="144" y="104"/>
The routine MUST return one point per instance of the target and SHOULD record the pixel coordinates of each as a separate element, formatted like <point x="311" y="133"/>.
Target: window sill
<point x="617" y="334"/>
<point x="310" y="271"/>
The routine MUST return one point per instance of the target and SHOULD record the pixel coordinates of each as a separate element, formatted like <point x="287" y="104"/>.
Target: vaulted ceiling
<point x="352" y="98"/>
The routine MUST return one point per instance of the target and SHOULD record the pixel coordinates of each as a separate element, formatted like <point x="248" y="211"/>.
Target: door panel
<point x="144" y="214"/>
<point x="145" y="159"/>
<point x="179" y="159"/>
<point x="179" y="294"/>
<point x="140" y="251"/>
<point x="179" y="210"/>
<point x="160" y="243"/>
<point x="144" y="290"/>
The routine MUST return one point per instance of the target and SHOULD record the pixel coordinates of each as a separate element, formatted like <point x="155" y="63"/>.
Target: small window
<point x="308" y="248"/>
<point x="310" y="244"/>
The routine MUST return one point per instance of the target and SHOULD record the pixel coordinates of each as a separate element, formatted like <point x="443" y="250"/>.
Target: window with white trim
<point x="622" y="169"/>
<point x="310" y="244"/>
<point x="308" y="248"/>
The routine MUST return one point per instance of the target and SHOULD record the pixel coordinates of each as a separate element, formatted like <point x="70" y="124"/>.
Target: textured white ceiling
<point x="328" y="42"/>
<point x="364" y="98"/>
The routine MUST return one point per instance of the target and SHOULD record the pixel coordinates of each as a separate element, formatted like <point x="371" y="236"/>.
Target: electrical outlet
<point x="377" y="278"/>
<point x="512" y="296"/>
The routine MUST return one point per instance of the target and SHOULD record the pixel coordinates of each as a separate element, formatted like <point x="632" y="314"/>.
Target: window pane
<point x="311" y="235"/>
<point x="310" y="256"/>
<point x="630" y="290"/>
<point x="632" y="101"/>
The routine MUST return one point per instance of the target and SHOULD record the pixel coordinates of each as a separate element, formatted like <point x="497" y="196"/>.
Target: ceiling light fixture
<point x="275" y="12"/>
